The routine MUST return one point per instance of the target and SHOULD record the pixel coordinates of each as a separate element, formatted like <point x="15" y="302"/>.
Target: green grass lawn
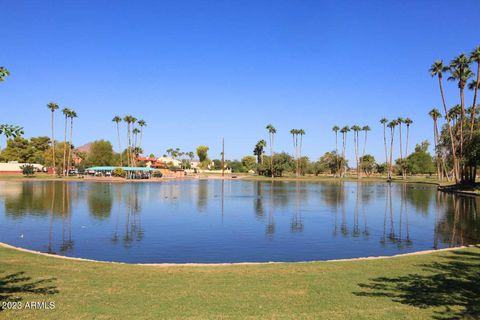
<point x="409" y="287"/>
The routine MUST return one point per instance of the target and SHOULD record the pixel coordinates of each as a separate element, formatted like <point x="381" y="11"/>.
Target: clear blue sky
<point x="200" y="70"/>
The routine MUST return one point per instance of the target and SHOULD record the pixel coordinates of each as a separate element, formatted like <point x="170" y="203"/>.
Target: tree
<point x="336" y="129"/>
<point x="71" y="115"/>
<point x="271" y="135"/>
<point x="472" y="154"/>
<point x="328" y="163"/>
<point x="460" y="71"/>
<point x="202" y="153"/>
<point x="301" y="133"/>
<point x="18" y="149"/>
<point x="295" y="133"/>
<point x="249" y="162"/>
<point x="28" y="170"/>
<point x="53" y="106"/>
<point x="282" y="162"/>
<point x="420" y="161"/>
<point x="474" y="57"/>
<point x="344" y="132"/>
<point x="66" y="113"/>
<point x="4" y="73"/>
<point x="259" y="150"/>
<point x="384" y="122"/>
<point x="101" y="154"/>
<point x="356" y="129"/>
<point x="365" y="129"/>
<point x="368" y="164"/>
<point x="117" y="120"/>
<point x="437" y="70"/>
<point x="391" y="125"/>
<point x="142" y="124"/>
<point x="435" y="115"/>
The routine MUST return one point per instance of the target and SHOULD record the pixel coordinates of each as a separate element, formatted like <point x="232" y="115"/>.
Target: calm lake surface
<point x="207" y="221"/>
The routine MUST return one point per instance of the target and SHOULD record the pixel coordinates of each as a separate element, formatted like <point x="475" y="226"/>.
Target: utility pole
<point x="223" y="157"/>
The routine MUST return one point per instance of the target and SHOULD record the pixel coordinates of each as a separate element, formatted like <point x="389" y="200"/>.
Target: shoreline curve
<point x="193" y="264"/>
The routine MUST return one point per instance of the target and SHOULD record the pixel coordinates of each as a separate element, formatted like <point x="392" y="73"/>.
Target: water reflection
<point x="353" y="218"/>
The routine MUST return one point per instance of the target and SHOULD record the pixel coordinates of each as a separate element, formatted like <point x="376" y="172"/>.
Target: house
<point x="15" y="167"/>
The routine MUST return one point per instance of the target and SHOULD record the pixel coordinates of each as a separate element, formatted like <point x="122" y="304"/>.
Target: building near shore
<point x="15" y="167"/>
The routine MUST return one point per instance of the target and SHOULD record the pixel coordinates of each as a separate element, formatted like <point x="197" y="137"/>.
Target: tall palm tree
<point x="117" y="121"/>
<point x="356" y="129"/>
<point x="258" y="151"/>
<point x="365" y="129"/>
<point x="294" y="133"/>
<point x="66" y="113"/>
<point x="384" y="122"/>
<point x="437" y="70"/>
<point x="3" y="73"/>
<point x="128" y="119"/>
<point x="132" y="154"/>
<point x="400" y="120"/>
<point x="135" y="133"/>
<point x="408" y="122"/>
<point x="435" y="114"/>
<point x="392" y="124"/>
<point x="475" y="57"/>
<point x="72" y="114"/>
<point x="336" y="129"/>
<point x="460" y="71"/>
<point x="344" y="132"/>
<point x="53" y="106"/>
<point x="301" y="132"/>
<point x="142" y="124"/>
<point x="271" y="135"/>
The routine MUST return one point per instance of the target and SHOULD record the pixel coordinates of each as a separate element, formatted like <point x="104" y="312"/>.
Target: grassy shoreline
<point x="442" y="186"/>
<point x="360" y="289"/>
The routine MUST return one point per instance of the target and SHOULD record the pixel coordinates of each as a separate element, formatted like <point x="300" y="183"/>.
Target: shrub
<point x="119" y="172"/>
<point x="28" y="170"/>
<point x="157" y="174"/>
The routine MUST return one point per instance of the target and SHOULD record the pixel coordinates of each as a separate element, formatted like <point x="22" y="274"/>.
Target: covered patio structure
<point x="132" y="172"/>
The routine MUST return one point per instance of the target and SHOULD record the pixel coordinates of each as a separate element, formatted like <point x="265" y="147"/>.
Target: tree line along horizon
<point x="456" y="143"/>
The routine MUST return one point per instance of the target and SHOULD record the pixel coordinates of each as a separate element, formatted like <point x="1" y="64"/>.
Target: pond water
<point x="209" y="221"/>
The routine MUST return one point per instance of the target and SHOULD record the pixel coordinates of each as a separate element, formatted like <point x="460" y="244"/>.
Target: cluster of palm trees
<point x="296" y="133"/>
<point x="341" y="162"/>
<point x="134" y="142"/>
<point x="69" y="114"/>
<point x="403" y="156"/>
<point x="460" y="128"/>
<point x="177" y="153"/>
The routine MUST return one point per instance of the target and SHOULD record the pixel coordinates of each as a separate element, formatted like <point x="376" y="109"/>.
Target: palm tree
<point x="384" y="122"/>
<point x="475" y="57"/>
<point x="294" y="133"/>
<point x="336" y="129"/>
<point x="356" y="129"/>
<point x="392" y="124"/>
<point x="408" y="122"/>
<point x="66" y="113"/>
<point x="435" y="114"/>
<point x="437" y="70"/>
<point x="72" y="114"/>
<point x="142" y="124"/>
<point x="365" y="129"/>
<point x="271" y="135"/>
<point x="258" y="151"/>
<point x="301" y="132"/>
<point x="117" y="120"/>
<point x="3" y="73"/>
<point x="460" y="71"/>
<point x="344" y="132"/>
<point x="129" y="119"/>
<point x="53" y="106"/>
<point x="132" y="154"/>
